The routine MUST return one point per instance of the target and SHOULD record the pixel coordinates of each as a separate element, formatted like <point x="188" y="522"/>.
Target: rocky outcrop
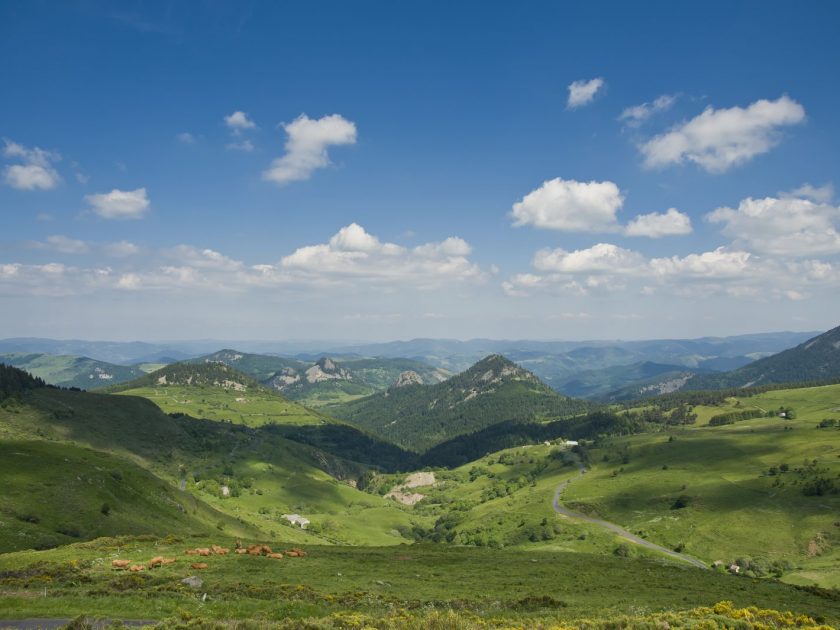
<point x="409" y="377"/>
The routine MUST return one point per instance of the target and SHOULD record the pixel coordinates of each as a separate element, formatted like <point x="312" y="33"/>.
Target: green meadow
<point x="333" y="586"/>
<point x="253" y="407"/>
<point x="743" y="485"/>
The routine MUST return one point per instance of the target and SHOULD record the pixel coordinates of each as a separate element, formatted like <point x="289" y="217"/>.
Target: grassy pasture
<point x="497" y="587"/>
<point x="736" y="507"/>
<point x="252" y="407"/>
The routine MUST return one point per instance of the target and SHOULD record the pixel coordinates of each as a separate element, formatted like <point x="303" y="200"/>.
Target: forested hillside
<point x="494" y="390"/>
<point x="814" y="360"/>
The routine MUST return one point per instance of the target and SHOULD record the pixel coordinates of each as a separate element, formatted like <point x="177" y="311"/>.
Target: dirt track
<point x="623" y="533"/>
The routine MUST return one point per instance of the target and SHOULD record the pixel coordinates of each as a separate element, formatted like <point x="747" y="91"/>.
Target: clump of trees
<point x="735" y="416"/>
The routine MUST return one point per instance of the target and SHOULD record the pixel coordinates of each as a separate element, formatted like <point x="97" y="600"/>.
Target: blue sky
<point x="391" y="170"/>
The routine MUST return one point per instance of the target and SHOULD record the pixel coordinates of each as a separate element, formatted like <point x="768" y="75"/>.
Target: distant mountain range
<point x="814" y="360"/>
<point x="317" y="373"/>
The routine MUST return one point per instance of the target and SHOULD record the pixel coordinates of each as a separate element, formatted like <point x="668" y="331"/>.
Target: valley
<point x="484" y="469"/>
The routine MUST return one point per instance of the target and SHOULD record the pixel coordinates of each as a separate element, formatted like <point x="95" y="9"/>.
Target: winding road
<point x="623" y="533"/>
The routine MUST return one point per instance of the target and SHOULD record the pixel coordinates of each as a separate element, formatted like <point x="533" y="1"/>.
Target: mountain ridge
<point x="493" y="390"/>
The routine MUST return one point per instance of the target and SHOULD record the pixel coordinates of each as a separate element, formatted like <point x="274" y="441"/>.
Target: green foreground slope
<point x="416" y="587"/>
<point x="255" y="476"/>
<point x="55" y="494"/>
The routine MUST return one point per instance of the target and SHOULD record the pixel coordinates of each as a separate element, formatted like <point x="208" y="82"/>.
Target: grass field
<point x="84" y="494"/>
<point x="252" y="408"/>
<point x="496" y="587"/>
<point x="253" y="477"/>
<point x="736" y="506"/>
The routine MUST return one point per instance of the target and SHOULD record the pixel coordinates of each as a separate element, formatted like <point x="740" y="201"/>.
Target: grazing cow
<point x="199" y="565"/>
<point x="296" y="552"/>
<point x="157" y="561"/>
<point x="121" y="565"/>
<point x="203" y="551"/>
<point x="276" y="556"/>
<point x="191" y="552"/>
<point x="292" y="553"/>
<point x="137" y="567"/>
<point x="265" y="550"/>
<point x="220" y="551"/>
<point x="241" y="551"/>
<point x="168" y="560"/>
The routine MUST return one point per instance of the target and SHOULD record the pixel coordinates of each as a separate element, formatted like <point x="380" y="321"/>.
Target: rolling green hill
<point x="57" y="493"/>
<point x="494" y="390"/>
<point x="71" y="371"/>
<point x="218" y="392"/>
<point x="251" y="476"/>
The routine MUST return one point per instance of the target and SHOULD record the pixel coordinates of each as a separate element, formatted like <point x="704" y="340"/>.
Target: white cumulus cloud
<point x="238" y="122"/>
<point x="720" y="263"/>
<point x="820" y="194"/>
<point x="655" y="225"/>
<point x="570" y="206"/>
<point x="36" y="170"/>
<point x="306" y="146"/>
<point x="120" y="204"/>
<point x="787" y="226"/>
<point x="583" y="92"/>
<point x="719" y="139"/>
<point x="603" y="257"/>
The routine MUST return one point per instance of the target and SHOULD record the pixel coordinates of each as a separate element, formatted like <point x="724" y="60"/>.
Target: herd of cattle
<point x="213" y="550"/>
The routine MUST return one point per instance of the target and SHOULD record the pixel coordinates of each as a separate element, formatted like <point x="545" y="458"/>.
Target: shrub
<point x="683" y="501"/>
<point x="105" y="509"/>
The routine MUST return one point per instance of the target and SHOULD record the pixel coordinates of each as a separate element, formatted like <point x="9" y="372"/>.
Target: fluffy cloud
<point x="637" y="114"/>
<point x="349" y="261"/>
<point x="185" y="138"/>
<point x="787" y="226"/>
<point x="238" y="122"/>
<point x="726" y="271"/>
<point x="570" y="206"/>
<point x="717" y="140"/>
<point x="720" y="263"/>
<point x="582" y="92"/>
<point x="354" y="253"/>
<point x="120" y="204"/>
<point x="36" y="170"/>
<point x="656" y="225"/>
<point x="306" y="147"/>
<point x="603" y="257"/>
<point x="821" y="194"/>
